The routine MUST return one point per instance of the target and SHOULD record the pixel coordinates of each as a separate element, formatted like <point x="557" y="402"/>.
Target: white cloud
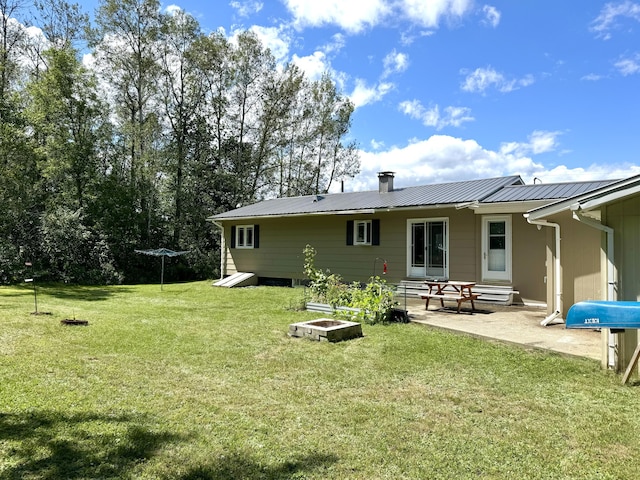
<point x="482" y="79"/>
<point x="407" y="38"/>
<point x="592" y="77"/>
<point x="608" y="18"/>
<point x="336" y="44"/>
<point x="350" y="16"/>
<point x="275" y="39"/>
<point x="432" y="117"/>
<point x="364" y="94"/>
<point x="375" y="145"/>
<point x="491" y="15"/>
<point x="442" y="158"/>
<point x="629" y="66"/>
<point x="354" y="17"/>
<point x="539" y="142"/>
<point x="395" y="62"/>
<point x="562" y="173"/>
<point x="172" y="9"/>
<point x="430" y="13"/>
<point x="313" y="65"/>
<point x="246" y="7"/>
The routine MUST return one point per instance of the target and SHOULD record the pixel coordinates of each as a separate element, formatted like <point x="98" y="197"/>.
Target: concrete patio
<point x="519" y="325"/>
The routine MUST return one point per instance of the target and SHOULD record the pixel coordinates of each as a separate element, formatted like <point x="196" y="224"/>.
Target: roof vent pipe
<point x="385" y="182"/>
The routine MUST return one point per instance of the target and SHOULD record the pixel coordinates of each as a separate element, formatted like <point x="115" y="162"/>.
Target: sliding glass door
<point x="428" y="248"/>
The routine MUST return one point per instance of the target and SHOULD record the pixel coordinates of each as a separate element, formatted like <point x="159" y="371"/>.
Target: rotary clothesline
<point x="162" y="252"/>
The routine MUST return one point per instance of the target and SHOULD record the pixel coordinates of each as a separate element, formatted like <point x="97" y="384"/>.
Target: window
<point x="244" y="236"/>
<point x="363" y="232"/>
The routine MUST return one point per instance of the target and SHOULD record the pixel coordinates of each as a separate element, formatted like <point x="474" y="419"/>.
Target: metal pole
<point x="162" y="273"/>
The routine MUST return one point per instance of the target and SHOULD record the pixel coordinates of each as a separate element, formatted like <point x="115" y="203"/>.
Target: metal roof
<point x="544" y="191"/>
<point x="612" y="191"/>
<point x="426" y="195"/>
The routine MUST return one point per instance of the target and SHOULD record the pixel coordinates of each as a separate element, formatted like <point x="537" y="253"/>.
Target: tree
<point x="12" y="36"/>
<point x="62" y="23"/>
<point x="317" y="152"/>
<point x="183" y="94"/>
<point x="65" y="113"/>
<point x="126" y="43"/>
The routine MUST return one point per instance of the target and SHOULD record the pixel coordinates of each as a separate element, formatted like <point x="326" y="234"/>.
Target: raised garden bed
<point x="326" y="329"/>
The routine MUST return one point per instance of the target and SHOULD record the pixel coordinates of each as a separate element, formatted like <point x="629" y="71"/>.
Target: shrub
<point x="374" y="300"/>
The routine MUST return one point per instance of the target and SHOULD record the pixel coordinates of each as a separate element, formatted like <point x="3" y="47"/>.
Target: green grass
<point x="195" y="382"/>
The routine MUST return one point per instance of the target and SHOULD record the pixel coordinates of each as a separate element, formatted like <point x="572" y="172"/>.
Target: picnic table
<point x="456" y="291"/>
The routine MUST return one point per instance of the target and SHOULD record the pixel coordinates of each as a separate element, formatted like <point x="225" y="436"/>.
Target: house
<point x="555" y="244"/>
<point x="609" y="270"/>
<point x="473" y="230"/>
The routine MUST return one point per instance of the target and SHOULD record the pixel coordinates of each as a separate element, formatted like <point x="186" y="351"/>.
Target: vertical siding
<point x="624" y="218"/>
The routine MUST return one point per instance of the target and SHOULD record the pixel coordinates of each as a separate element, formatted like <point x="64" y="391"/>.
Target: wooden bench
<point x="499" y="294"/>
<point x="454" y="298"/>
<point x="450" y="290"/>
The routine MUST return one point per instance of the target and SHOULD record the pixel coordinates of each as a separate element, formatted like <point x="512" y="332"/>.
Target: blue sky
<point x="449" y="90"/>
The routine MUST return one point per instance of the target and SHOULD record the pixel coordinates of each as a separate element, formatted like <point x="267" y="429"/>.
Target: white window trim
<point x="368" y="225"/>
<point x="245" y="229"/>
<point x="486" y="274"/>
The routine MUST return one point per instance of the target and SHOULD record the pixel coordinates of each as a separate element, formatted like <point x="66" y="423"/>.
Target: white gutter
<point x="557" y="283"/>
<point x="612" y="340"/>
<point x="223" y="256"/>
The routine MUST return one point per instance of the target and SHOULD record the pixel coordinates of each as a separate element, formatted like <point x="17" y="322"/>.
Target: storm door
<point x="496" y="248"/>
<point x="428" y="248"/>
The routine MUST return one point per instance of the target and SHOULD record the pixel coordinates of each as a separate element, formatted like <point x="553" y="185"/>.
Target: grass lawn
<point x="196" y="382"/>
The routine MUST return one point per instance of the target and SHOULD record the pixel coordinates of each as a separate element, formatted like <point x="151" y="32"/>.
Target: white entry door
<point x="496" y="248"/>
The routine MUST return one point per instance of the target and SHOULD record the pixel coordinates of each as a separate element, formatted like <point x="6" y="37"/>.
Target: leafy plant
<point x="325" y="286"/>
<point x="373" y="302"/>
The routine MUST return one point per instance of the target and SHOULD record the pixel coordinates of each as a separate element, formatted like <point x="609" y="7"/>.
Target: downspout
<point x="557" y="283"/>
<point x="223" y="256"/>
<point x="612" y="340"/>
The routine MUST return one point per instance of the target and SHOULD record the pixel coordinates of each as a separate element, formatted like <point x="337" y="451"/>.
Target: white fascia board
<point x="367" y="211"/>
<point x="508" y="207"/>
<point x="610" y="197"/>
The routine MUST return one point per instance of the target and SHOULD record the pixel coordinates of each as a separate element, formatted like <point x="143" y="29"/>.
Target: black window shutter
<point x="233" y="236"/>
<point x="349" y="232"/>
<point x="375" y="231"/>
<point x="256" y="236"/>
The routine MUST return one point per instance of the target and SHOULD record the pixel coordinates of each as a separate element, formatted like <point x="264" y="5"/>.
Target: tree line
<point x="165" y="126"/>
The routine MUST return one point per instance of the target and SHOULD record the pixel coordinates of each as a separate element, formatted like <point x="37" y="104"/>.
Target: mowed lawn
<point x="197" y="382"/>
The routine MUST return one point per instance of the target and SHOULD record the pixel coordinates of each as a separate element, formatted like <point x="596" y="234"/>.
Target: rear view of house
<point x="471" y="230"/>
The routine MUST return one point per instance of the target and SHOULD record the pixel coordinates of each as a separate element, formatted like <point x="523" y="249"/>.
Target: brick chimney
<point x="385" y="182"/>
